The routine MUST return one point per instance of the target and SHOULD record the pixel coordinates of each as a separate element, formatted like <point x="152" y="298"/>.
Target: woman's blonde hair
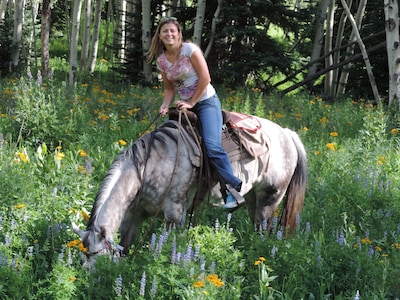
<point x="157" y="46"/>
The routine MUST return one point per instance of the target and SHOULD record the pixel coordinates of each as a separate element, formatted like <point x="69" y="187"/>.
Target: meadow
<point x="56" y="145"/>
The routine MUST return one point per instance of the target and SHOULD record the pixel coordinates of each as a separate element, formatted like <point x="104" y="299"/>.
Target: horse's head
<point x="96" y="243"/>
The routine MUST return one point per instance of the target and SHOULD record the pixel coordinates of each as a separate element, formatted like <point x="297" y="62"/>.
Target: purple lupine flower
<point x="153" y="241"/>
<point x="187" y="257"/>
<point x="308" y="227"/>
<point x="212" y="267"/>
<point x="183" y="221"/>
<point x="275" y="223"/>
<point x="279" y="235"/>
<point x="228" y="219"/>
<point x="142" y="284"/>
<point x="359" y="243"/>
<point x="173" y="251"/>
<point x="7" y="241"/>
<point x="202" y="264"/>
<point x="178" y="258"/>
<point x="12" y="225"/>
<point x="216" y="224"/>
<point x="264" y="224"/>
<point x="153" y="290"/>
<point x="69" y="262"/>
<point x="30" y="250"/>
<point x="118" y="285"/>
<point x="371" y="251"/>
<point x="298" y="220"/>
<point x="341" y="240"/>
<point x="60" y="255"/>
<point x="88" y="167"/>
<point x="274" y="250"/>
<point x="196" y="252"/>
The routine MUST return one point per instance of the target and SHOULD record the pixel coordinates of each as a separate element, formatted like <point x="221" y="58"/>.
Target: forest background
<point x="329" y="47"/>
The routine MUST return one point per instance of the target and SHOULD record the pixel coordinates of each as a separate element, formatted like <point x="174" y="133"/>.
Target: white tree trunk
<point x="146" y="37"/>
<point x="45" y="37"/>
<point x="213" y="28"/>
<point x="363" y="51"/>
<point x="319" y="36"/>
<point x="328" y="81"/>
<point x="17" y="32"/>
<point x="32" y="36"/>
<point x="338" y="43"/>
<point x="73" y="44"/>
<point x="344" y="76"/>
<point x="87" y="20"/>
<point x="198" y="25"/>
<point x="3" y="7"/>
<point x="122" y="24"/>
<point x="95" y="37"/>
<point x="393" y="49"/>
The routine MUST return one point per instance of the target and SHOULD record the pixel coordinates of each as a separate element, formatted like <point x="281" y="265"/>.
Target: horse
<point x="159" y="175"/>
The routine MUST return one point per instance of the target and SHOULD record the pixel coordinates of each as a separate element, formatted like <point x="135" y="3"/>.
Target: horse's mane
<point x="136" y="154"/>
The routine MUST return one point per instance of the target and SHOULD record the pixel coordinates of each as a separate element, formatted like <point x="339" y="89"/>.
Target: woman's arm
<point x="200" y="66"/>
<point x="169" y="94"/>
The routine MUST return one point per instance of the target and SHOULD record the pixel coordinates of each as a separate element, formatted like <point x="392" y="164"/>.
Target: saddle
<point x="240" y="132"/>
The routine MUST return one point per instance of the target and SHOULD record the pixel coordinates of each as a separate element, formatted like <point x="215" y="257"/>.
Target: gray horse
<point x="158" y="175"/>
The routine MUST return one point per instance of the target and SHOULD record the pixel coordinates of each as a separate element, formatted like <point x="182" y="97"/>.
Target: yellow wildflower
<point x="73" y="243"/>
<point x="323" y="120"/>
<point x="60" y="155"/>
<point x="331" y="146"/>
<point x="198" y="284"/>
<point x="81" y="247"/>
<point x="82" y="153"/>
<point x="122" y="142"/>
<point x="334" y="133"/>
<point x="19" y="206"/>
<point x="394" y="131"/>
<point x="365" y="241"/>
<point x="85" y="216"/>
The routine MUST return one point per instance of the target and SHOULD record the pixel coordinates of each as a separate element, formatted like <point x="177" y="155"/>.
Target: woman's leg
<point x="209" y="113"/>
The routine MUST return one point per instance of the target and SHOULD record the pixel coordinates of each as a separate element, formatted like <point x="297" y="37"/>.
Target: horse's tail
<point x="297" y="188"/>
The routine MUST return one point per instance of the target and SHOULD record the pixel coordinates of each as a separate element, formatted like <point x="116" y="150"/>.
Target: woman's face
<point x="169" y="34"/>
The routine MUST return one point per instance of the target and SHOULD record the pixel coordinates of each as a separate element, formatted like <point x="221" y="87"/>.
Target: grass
<point x="58" y="143"/>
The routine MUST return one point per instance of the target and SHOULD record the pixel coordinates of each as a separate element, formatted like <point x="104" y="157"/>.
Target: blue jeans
<point x="209" y="113"/>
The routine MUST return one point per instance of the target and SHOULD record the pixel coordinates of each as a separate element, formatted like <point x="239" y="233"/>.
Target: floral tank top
<point x="182" y="74"/>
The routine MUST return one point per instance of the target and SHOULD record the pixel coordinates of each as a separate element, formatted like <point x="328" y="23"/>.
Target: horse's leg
<point x="268" y="198"/>
<point x="129" y="229"/>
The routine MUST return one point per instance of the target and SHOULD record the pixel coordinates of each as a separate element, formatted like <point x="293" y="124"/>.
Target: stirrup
<point x="233" y="199"/>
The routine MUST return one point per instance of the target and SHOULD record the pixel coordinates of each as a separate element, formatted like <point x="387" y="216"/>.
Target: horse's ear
<point x="102" y="232"/>
<point x="77" y="230"/>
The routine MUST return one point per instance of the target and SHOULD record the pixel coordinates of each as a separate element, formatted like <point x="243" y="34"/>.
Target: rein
<point x="107" y="245"/>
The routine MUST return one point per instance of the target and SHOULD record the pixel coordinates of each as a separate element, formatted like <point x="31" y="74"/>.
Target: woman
<point x="184" y="70"/>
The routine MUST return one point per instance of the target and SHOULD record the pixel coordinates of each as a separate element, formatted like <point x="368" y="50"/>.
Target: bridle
<point x="107" y="245"/>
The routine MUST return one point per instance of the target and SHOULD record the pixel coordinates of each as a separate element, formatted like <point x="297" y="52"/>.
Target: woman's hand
<point x="183" y="104"/>
<point x="164" y="109"/>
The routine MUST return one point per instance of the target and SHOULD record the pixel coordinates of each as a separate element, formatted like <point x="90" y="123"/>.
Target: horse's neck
<point x="115" y="195"/>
